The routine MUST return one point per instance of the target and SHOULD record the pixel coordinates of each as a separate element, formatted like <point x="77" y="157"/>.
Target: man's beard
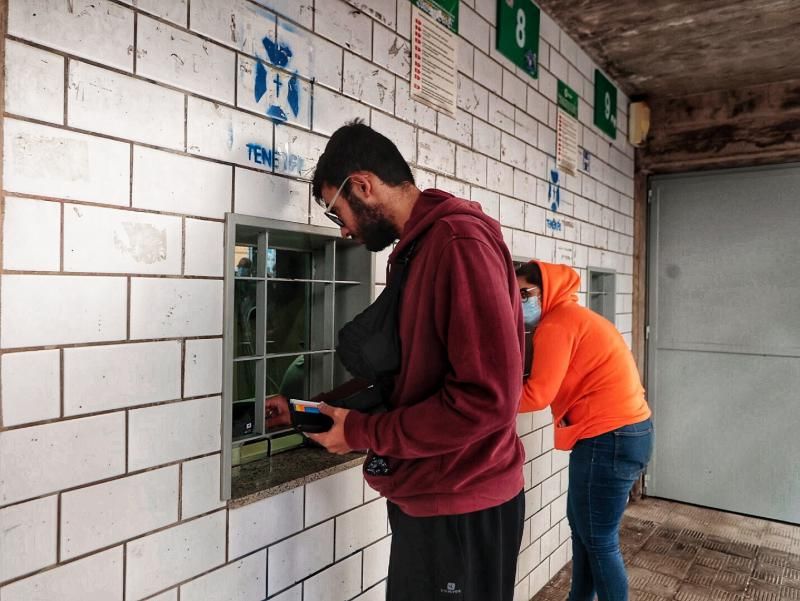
<point x="374" y="228"/>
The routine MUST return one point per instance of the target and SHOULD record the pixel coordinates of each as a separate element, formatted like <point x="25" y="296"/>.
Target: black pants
<point x="466" y="557"/>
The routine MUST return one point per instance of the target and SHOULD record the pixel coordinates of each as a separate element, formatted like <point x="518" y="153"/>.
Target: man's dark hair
<point x="531" y="272"/>
<point x="357" y="147"/>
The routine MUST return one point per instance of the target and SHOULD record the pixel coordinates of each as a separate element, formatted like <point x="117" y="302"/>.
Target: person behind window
<point x="446" y="455"/>
<point x="244" y="267"/>
<point x="583" y="370"/>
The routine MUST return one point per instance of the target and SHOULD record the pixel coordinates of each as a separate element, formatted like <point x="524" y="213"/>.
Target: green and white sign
<point x="605" y="104"/>
<point x="567" y="99"/>
<point x="443" y="11"/>
<point x="567" y="129"/>
<point x="518" y="33"/>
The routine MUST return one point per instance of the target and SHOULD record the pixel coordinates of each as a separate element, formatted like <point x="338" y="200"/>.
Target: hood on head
<point x="560" y="284"/>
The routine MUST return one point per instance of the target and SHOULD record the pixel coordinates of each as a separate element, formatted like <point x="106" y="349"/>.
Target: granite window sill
<point x="273" y="475"/>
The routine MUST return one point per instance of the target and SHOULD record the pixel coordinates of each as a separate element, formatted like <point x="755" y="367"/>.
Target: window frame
<point x="323" y="234"/>
<point x="609" y="296"/>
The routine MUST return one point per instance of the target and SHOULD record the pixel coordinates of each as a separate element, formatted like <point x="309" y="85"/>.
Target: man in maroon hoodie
<point x="453" y="462"/>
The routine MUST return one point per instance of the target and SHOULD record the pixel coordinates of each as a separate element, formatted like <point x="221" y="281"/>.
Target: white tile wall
<point x="411" y="111"/>
<point x="26" y="398"/>
<point x="79" y="166"/>
<point x="169" y="307"/>
<point x="376" y="561"/>
<point x="332" y="110"/>
<point x="200" y="490"/>
<point x="380" y="10"/>
<point x="313" y="57"/>
<point x="108" y="513"/>
<point x="173" y="431"/>
<point x="299" y="556"/>
<point x="34" y="83"/>
<point x="262" y="523"/>
<point x="170" y="595"/>
<point x="93" y="380"/>
<point x="31" y="235"/>
<point x="235" y="23"/>
<point x="293" y="594"/>
<point x="218" y="132"/>
<point x="333" y="495"/>
<point x="117" y="105"/>
<point x="87" y="309"/>
<point x="271" y="196"/>
<point x="99" y="30"/>
<point x="470" y="166"/>
<point x="348" y="28"/>
<point x="61" y="455"/>
<point x="435" y="153"/>
<point x="173" y="183"/>
<point x="376" y="593"/>
<point x="203" y="367"/>
<point x="297" y="151"/>
<point x="339" y="582"/>
<point x="105" y="240"/>
<point x="368" y="83"/>
<point x="94" y="578"/>
<point x="29" y="537"/>
<point x="242" y="580"/>
<point x="401" y="133"/>
<point x="185" y="61"/>
<point x="391" y="51"/>
<point x="204" y="246"/>
<point x="160" y="560"/>
<point x="360" y="528"/>
<point x="169" y="10"/>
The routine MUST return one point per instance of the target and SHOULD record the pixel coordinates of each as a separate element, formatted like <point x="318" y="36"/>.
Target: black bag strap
<point x="399" y="269"/>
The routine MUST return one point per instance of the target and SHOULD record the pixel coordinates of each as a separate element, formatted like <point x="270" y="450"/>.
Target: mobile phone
<point x="306" y="417"/>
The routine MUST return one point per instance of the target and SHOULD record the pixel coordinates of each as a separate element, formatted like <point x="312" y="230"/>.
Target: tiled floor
<point x="687" y="553"/>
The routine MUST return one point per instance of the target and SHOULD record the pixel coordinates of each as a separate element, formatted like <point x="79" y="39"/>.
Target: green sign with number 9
<point x="605" y="104"/>
<point x="518" y="33"/>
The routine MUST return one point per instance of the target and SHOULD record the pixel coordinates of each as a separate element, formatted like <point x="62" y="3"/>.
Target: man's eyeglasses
<point x="526" y="293"/>
<point x="329" y="208"/>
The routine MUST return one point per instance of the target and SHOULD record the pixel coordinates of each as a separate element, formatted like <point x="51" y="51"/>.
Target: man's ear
<point x="364" y="181"/>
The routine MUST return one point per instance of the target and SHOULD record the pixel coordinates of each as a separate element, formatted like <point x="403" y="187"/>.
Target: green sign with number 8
<point x="518" y="33"/>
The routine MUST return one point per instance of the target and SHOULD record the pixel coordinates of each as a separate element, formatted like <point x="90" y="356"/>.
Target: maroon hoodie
<point x="450" y="439"/>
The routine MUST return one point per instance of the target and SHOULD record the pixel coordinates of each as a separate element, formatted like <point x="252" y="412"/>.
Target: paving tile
<point x="790" y="593"/>
<point x="693" y="592"/>
<point x="763" y="592"/>
<point x="732" y="582"/>
<point x="702" y="576"/>
<point x="677" y="552"/>
<point x="740" y="565"/>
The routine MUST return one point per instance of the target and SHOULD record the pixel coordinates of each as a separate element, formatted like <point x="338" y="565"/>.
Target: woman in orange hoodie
<point x="583" y="370"/>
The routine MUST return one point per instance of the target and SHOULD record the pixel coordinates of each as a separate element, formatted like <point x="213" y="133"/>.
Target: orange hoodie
<point x="582" y="367"/>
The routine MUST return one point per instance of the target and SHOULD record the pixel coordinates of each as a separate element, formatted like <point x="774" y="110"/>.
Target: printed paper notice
<point x="433" y="63"/>
<point x="567" y="131"/>
<point x="567" y="143"/>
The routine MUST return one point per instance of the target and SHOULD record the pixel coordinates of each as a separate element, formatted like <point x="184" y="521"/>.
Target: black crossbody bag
<point x="369" y="344"/>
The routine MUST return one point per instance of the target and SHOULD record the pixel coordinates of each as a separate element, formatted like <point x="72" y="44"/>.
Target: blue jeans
<point x="602" y="471"/>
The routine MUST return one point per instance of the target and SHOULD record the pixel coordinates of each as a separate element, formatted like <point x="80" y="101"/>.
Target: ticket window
<point x="289" y="289"/>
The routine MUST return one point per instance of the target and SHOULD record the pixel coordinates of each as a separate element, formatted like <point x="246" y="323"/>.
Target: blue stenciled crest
<point x="287" y="88"/>
<point x="554" y="190"/>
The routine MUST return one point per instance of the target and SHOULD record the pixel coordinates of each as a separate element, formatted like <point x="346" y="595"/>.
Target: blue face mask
<point x="531" y="311"/>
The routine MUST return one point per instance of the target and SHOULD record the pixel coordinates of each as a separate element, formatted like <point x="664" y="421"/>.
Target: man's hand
<point x="276" y="411"/>
<point x="333" y="440"/>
